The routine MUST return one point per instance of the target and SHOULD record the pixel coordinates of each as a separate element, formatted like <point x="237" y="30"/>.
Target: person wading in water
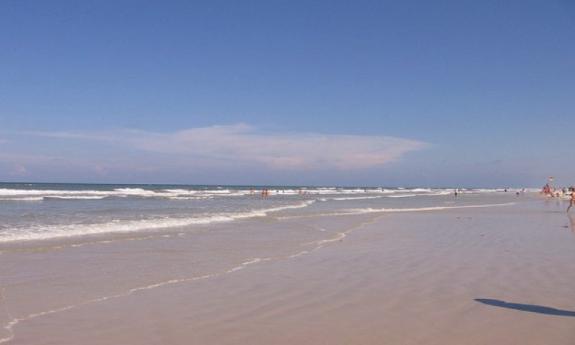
<point x="572" y="201"/>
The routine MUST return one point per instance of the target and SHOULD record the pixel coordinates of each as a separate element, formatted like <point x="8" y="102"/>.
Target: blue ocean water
<point x="37" y="211"/>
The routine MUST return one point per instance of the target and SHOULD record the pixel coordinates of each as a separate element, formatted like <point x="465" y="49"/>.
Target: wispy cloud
<point x="248" y="145"/>
<point x="19" y="170"/>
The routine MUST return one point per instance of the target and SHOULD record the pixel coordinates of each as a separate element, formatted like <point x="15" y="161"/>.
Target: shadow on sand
<point x="526" y="307"/>
<point x="571" y="221"/>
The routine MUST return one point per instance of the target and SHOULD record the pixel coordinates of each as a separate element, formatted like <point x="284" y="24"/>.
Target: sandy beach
<point x="471" y="275"/>
<point x="287" y="173"/>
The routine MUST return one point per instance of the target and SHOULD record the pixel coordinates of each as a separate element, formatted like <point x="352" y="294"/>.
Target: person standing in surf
<point x="572" y="201"/>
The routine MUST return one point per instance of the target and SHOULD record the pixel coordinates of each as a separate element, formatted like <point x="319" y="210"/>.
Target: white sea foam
<point x="69" y="230"/>
<point x="7" y="194"/>
<point x="26" y="198"/>
<point x="357" y="198"/>
<point x="29" y="192"/>
<point x="303" y="252"/>
<point x="402" y="195"/>
<point x="339" y="237"/>
<point x="74" y="197"/>
<point x="434" y="193"/>
<point x="174" y="194"/>
<point x="392" y="194"/>
<point x="359" y="211"/>
<point x="417" y="209"/>
<point x="420" y="190"/>
<point x="190" y="197"/>
<point x="247" y="263"/>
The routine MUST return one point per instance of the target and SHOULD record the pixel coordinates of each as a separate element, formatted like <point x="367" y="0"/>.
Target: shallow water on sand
<point x="307" y="260"/>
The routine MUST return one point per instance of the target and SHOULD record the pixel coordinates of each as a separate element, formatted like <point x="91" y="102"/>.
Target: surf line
<point x="15" y="321"/>
<point x="9" y="327"/>
<point x="91" y="243"/>
<point x="337" y="238"/>
<point x="360" y="211"/>
<point x="134" y="226"/>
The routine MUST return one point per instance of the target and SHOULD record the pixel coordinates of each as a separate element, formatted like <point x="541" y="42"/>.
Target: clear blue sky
<point x="474" y="93"/>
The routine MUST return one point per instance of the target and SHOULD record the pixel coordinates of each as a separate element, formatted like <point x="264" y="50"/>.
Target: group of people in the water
<point x="456" y="192"/>
<point x="552" y="192"/>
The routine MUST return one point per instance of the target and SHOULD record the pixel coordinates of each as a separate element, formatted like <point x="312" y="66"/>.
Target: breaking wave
<point x="118" y="226"/>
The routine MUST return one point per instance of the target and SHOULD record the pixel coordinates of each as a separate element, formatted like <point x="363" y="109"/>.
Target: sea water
<point x="38" y="212"/>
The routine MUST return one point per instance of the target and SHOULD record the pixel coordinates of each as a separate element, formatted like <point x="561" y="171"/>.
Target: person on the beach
<point x="547" y="190"/>
<point x="572" y="201"/>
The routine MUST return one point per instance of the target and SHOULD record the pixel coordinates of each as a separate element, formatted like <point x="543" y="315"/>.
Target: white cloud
<point x="245" y="144"/>
<point x="19" y="170"/>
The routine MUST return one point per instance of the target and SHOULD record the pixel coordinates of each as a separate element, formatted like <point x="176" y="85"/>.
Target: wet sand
<point x="496" y="275"/>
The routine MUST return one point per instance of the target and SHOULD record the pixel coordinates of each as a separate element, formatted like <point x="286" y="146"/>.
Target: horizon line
<point x="266" y="185"/>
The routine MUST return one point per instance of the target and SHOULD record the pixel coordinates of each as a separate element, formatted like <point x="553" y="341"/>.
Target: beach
<point x="415" y="266"/>
<point x="287" y="173"/>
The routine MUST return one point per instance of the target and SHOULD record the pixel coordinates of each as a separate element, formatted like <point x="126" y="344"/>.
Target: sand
<point x="500" y="275"/>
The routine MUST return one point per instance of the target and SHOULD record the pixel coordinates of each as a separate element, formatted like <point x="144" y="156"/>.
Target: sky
<point x="365" y="93"/>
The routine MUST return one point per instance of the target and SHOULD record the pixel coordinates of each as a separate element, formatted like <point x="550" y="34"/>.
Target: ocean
<point x="39" y="211"/>
<point x="158" y="264"/>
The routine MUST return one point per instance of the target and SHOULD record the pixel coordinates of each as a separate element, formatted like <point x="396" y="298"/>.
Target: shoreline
<point x="404" y="277"/>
